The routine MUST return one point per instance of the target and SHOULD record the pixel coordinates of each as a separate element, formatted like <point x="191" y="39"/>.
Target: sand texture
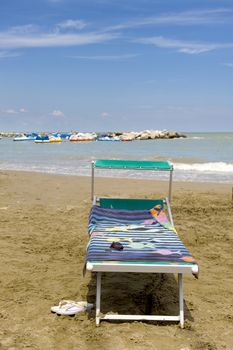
<point x="43" y="235"/>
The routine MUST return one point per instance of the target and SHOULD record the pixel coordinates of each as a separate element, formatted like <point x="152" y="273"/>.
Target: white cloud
<point x="105" y="115"/>
<point x="72" y="24"/>
<point x="187" y="18"/>
<point x="188" y="47"/>
<point x="24" y="29"/>
<point x="229" y="65"/>
<point x="13" y="111"/>
<point x="7" y="54"/>
<point x="57" y="113"/>
<point x="23" y="110"/>
<point x="106" y="57"/>
<point x="10" y="111"/>
<point x="30" y="36"/>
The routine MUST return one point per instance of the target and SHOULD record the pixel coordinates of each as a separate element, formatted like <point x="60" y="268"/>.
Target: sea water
<point x="204" y="157"/>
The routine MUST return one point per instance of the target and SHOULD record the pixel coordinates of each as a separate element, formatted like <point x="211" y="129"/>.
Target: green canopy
<point x="132" y="164"/>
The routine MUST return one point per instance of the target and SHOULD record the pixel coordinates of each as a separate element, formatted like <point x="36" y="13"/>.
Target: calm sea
<point x="199" y="157"/>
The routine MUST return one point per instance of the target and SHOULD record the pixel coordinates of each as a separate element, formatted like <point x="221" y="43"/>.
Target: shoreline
<point x="43" y="237"/>
<point x="186" y="183"/>
<point x="131" y="182"/>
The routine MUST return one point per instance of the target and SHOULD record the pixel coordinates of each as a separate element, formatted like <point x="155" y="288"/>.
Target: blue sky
<point x="97" y="65"/>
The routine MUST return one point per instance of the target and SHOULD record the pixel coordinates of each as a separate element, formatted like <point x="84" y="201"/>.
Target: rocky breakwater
<point x="150" y="135"/>
<point x="8" y="134"/>
<point x="125" y="135"/>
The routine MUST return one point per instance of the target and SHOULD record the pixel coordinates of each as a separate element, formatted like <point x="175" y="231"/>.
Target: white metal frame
<point x="178" y="318"/>
<point x="141" y="268"/>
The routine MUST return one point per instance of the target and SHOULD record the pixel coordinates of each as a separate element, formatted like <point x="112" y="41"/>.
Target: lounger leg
<point x="98" y="297"/>
<point x="92" y="180"/>
<point x="181" y="300"/>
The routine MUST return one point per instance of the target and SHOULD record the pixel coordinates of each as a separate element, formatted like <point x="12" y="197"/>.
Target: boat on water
<point x="108" y="138"/>
<point x="42" y="139"/>
<point x="82" y="137"/>
<point x="65" y="136"/>
<point x="55" y="138"/>
<point x="25" y="137"/>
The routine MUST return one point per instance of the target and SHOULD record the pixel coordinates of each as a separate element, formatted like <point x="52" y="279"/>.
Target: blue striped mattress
<point x="143" y="237"/>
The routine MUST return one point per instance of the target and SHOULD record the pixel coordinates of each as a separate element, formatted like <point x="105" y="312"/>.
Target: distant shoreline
<point x="91" y="136"/>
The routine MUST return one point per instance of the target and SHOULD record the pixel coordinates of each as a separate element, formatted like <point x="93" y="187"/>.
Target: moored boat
<point x="55" y="138"/>
<point x="42" y="139"/>
<point x="82" y="137"/>
<point x="108" y="138"/>
<point x="25" y="137"/>
<point x="65" y="136"/>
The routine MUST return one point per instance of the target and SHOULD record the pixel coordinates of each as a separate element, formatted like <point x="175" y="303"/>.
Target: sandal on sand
<point x="70" y="307"/>
<point x="62" y="304"/>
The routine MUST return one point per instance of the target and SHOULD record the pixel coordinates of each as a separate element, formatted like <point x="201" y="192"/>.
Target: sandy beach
<point x="43" y="220"/>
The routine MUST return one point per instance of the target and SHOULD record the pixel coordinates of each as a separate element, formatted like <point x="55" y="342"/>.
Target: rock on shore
<point x="150" y="135"/>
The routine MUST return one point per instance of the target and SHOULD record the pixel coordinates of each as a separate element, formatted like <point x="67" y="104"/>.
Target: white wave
<point x="196" y="137"/>
<point x="197" y="172"/>
<point x="205" y="167"/>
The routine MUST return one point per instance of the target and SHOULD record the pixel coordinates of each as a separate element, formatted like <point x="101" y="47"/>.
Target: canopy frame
<point x="131" y="165"/>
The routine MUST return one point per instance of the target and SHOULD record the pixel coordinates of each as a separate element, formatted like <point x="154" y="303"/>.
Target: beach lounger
<point x="135" y="235"/>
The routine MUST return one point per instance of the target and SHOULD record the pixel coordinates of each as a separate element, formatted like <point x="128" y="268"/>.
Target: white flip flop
<point x="70" y="307"/>
<point x="62" y="304"/>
